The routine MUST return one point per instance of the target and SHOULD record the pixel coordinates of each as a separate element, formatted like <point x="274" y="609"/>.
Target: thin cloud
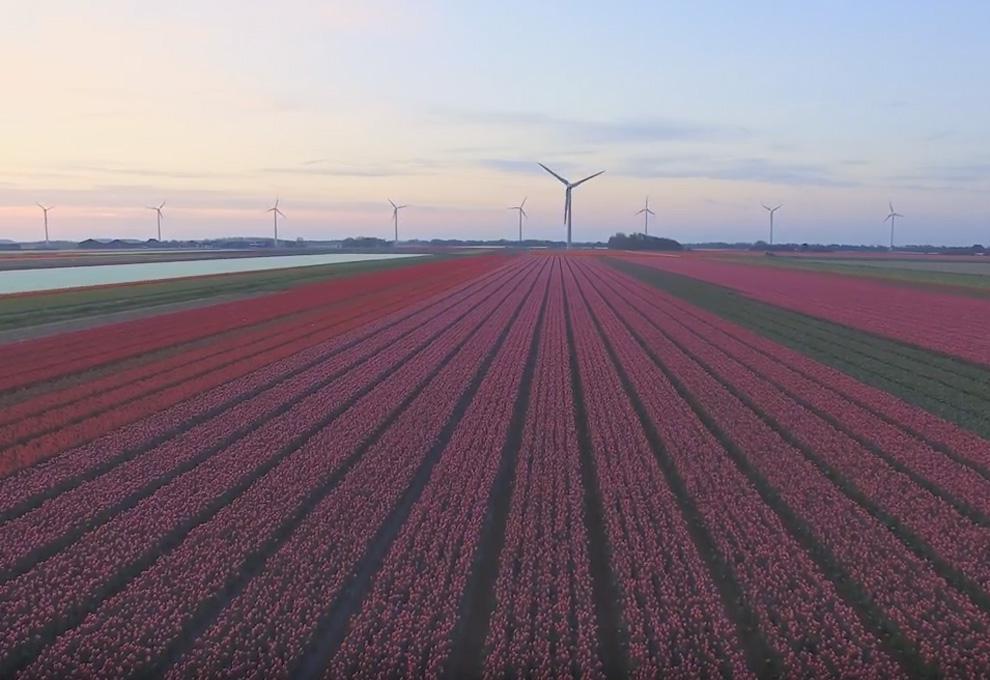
<point x="599" y="132"/>
<point x="740" y="170"/>
<point x="324" y="167"/>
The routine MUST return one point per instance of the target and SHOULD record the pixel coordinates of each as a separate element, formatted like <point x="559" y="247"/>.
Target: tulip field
<point x="504" y="466"/>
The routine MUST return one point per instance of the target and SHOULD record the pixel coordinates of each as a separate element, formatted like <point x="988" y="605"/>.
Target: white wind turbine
<point x="567" y="196"/>
<point x="646" y="212"/>
<point x="395" y="217"/>
<point x="45" y="211"/>
<point x="892" y="216"/>
<point x="771" y="211"/>
<point x="522" y="213"/>
<point x="158" y="212"/>
<point x="275" y="214"/>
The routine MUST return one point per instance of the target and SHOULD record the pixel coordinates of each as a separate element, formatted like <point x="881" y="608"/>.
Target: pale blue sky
<point x="710" y="107"/>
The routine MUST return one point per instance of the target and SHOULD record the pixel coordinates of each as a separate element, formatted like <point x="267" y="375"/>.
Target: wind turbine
<point x="522" y="213"/>
<point x="646" y="212"/>
<point x="567" y="196"/>
<point x="158" y="212"/>
<point x="892" y="216"/>
<point x="275" y="213"/>
<point x="45" y="211"/>
<point x="395" y="217"/>
<point x="771" y="211"/>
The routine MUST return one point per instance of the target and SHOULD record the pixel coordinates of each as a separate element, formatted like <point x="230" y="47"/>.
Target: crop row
<point x="25" y="489"/>
<point x="32" y="362"/>
<point x="939" y="624"/>
<point x="948" y="506"/>
<point x="92" y="502"/>
<point x="943" y="322"/>
<point x="544" y="616"/>
<point x="805" y="621"/>
<point x="55" y="408"/>
<point x="48" y="433"/>
<point x="428" y="565"/>
<point x="302" y="451"/>
<point x="265" y="629"/>
<point x="672" y="612"/>
<point x="938" y="432"/>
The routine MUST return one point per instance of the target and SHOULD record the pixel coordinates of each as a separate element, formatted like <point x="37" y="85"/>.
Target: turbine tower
<point x="570" y="186"/>
<point x="45" y="211"/>
<point x="395" y="217"/>
<point x="892" y="216"/>
<point x="771" y="211"/>
<point x="522" y="213"/>
<point x="158" y="212"/>
<point x="646" y="212"/>
<point x="275" y="213"/>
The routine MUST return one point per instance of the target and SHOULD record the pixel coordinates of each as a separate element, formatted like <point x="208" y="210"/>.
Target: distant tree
<point x="642" y="242"/>
<point x="365" y="242"/>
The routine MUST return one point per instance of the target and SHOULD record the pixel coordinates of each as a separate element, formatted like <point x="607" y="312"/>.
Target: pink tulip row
<point x="134" y="627"/>
<point x="801" y="407"/>
<point x="265" y="629"/>
<point x="29" y="486"/>
<point x="405" y="625"/>
<point x="812" y="629"/>
<point x="79" y="509"/>
<point x="672" y="611"/>
<point x="544" y="622"/>
<point x="953" y="324"/>
<point x="939" y="433"/>
<point x="945" y="627"/>
<point x="57" y="409"/>
<point x="27" y="363"/>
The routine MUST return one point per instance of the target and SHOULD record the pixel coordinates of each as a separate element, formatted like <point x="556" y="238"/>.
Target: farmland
<point x="506" y="466"/>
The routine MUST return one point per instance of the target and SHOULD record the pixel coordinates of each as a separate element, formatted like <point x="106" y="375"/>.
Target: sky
<point x="710" y="108"/>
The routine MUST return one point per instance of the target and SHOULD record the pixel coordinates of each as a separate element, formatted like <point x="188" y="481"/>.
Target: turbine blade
<point x="523" y="203"/>
<point x="641" y="211"/>
<point x="392" y="202"/>
<point x="891" y="204"/>
<point x="403" y="206"/>
<point x="582" y="181"/>
<point x="564" y="181"/>
<point x="767" y="207"/>
<point x="650" y="211"/>
<point x="162" y="205"/>
<point x="779" y="206"/>
<point x="523" y="212"/>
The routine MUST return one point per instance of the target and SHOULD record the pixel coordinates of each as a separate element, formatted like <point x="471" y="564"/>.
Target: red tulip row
<point x="813" y="630"/>
<point x="544" y="622"/>
<point x="100" y="413"/>
<point x="265" y="629"/>
<point x="673" y="614"/>
<point x="405" y="625"/>
<point x="135" y="626"/>
<point x="54" y="410"/>
<point x="31" y="362"/>
<point x="801" y="406"/>
<point x="952" y="324"/>
<point x="945" y="627"/>
<point x="79" y="509"/>
<point x="29" y="485"/>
